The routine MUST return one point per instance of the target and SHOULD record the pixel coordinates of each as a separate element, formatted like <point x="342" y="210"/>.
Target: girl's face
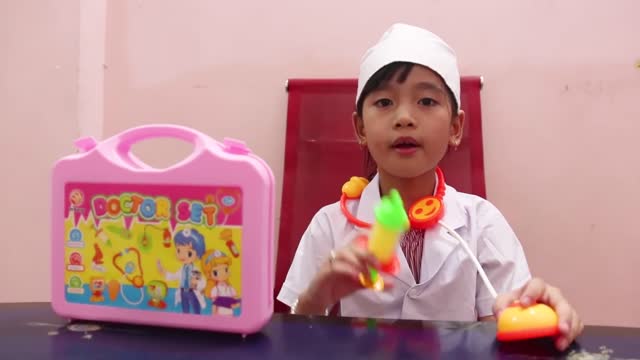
<point x="408" y="126"/>
<point x="220" y="272"/>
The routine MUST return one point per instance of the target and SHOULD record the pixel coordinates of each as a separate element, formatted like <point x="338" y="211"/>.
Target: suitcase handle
<point x="121" y="144"/>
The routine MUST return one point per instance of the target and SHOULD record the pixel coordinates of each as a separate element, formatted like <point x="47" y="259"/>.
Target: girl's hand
<point x="536" y="290"/>
<point x="338" y="277"/>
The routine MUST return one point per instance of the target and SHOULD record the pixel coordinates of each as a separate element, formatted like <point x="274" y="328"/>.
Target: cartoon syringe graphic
<point x="391" y="222"/>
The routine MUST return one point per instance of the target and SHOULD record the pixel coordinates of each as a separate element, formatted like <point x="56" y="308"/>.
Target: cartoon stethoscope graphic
<point x="130" y="268"/>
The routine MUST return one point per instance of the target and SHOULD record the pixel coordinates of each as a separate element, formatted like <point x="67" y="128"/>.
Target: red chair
<point x="321" y="154"/>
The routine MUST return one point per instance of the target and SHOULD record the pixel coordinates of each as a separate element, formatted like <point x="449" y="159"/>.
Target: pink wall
<point x="558" y="107"/>
<point x="38" y="107"/>
<point x="51" y="92"/>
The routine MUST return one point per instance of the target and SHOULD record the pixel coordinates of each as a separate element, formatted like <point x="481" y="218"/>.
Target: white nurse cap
<point x="407" y="43"/>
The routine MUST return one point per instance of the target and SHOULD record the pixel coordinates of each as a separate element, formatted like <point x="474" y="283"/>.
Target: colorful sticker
<point x="154" y="247"/>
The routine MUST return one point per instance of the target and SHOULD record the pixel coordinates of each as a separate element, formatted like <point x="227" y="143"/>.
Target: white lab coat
<point x="178" y="275"/>
<point x="450" y="287"/>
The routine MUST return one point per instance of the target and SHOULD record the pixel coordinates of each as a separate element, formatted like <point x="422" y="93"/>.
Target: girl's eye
<point x="427" y="102"/>
<point x="382" y="103"/>
<point x="190" y="254"/>
<point x="215" y="272"/>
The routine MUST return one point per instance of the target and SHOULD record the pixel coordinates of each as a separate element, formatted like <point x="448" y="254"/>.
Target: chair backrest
<point x="321" y="154"/>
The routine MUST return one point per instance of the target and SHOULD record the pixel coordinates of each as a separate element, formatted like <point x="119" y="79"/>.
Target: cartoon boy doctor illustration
<point x="190" y="246"/>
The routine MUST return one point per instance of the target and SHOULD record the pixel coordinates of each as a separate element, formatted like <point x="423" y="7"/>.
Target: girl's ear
<point x="456" y="129"/>
<point x="358" y="127"/>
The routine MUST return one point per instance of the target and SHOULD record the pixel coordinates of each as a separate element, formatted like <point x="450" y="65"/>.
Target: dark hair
<point x="379" y="79"/>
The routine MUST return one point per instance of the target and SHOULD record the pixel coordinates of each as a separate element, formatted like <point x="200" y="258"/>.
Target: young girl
<point x="223" y="296"/>
<point x="408" y="115"/>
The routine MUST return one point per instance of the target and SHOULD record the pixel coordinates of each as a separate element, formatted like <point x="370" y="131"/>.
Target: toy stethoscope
<point x="540" y="319"/>
<point x="137" y="281"/>
<point x="423" y="214"/>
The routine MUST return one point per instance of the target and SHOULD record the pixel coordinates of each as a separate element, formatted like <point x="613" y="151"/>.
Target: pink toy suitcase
<point x="190" y="246"/>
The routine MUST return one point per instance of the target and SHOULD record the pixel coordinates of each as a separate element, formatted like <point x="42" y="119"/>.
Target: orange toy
<point x="520" y="323"/>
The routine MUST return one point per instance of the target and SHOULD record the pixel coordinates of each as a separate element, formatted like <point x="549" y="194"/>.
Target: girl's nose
<point x="403" y="119"/>
<point x="404" y="122"/>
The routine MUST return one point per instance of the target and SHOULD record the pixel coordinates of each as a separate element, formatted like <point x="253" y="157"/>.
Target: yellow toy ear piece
<point x="354" y="187"/>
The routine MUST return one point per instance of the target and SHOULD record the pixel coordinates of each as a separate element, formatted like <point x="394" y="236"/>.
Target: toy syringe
<point x="391" y="222"/>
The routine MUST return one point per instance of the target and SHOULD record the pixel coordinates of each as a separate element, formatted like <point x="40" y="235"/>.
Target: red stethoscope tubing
<point x="359" y="223"/>
<point x="350" y="218"/>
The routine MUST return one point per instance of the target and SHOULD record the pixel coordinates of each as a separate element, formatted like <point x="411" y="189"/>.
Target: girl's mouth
<point x="405" y="145"/>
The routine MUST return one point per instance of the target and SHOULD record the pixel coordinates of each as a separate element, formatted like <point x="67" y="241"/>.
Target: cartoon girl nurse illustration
<point x="189" y="245"/>
<point x="223" y="296"/>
